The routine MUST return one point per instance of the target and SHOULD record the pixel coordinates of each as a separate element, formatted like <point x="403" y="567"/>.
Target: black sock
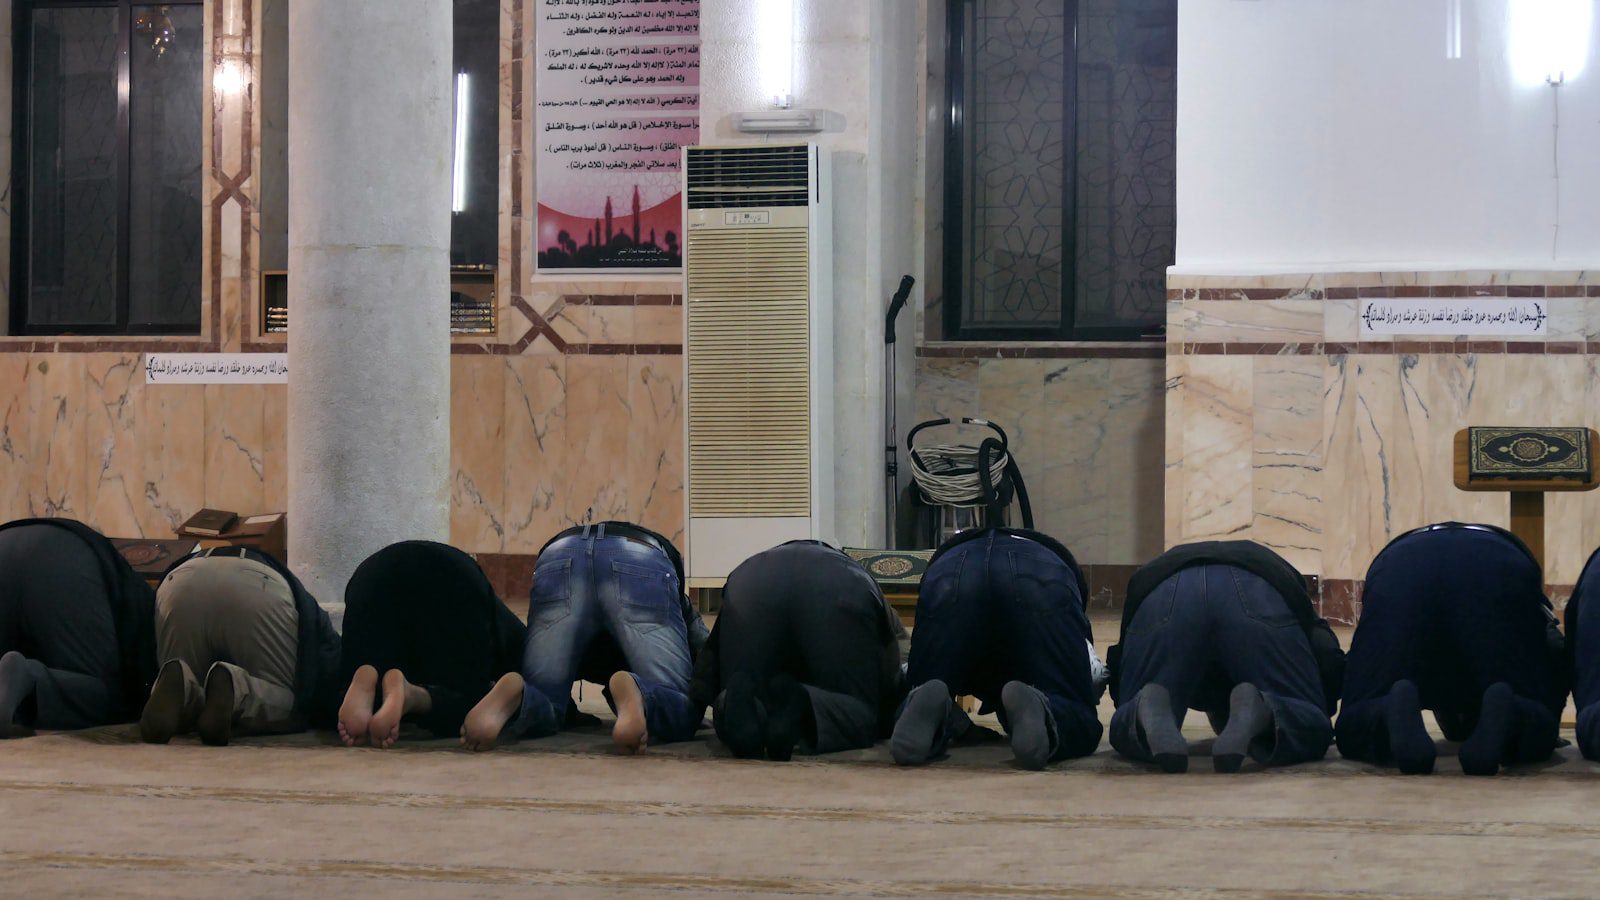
<point x="1158" y="729"/>
<point x="1410" y="745"/>
<point x="790" y="718"/>
<point x="742" y="719"/>
<point x="1483" y="752"/>
<point x="16" y="691"/>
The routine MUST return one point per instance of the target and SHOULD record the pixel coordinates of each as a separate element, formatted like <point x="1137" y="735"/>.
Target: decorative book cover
<point x="209" y="522"/>
<point x="151" y="557"/>
<point x="893" y="567"/>
<point x="1528" y="453"/>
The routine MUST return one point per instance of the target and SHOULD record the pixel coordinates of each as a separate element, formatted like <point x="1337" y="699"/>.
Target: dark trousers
<point x="808" y="610"/>
<point x="1207" y="629"/>
<point x="593" y="586"/>
<point x="1586" y="658"/>
<point x="1454" y="611"/>
<point x="1002" y="608"/>
<point x="427" y="610"/>
<point x="55" y="609"/>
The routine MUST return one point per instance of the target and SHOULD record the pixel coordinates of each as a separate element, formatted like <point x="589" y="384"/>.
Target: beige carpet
<point x="96" y="813"/>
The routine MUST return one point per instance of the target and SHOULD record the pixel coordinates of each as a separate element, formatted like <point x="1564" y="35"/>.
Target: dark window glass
<point x="164" y="181"/>
<point x="109" y="95"/>
<point x="1060" y="167"/>
<point x="475" y="226"/>
<point x="72" y="171"/>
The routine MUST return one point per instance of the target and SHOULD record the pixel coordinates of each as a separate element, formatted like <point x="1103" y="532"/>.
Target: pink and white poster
<point x="618" y="95"/>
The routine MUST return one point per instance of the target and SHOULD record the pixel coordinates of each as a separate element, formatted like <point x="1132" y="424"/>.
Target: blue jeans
<point x="589" y="585"/>
<point x="1207" y="629"/>
<point x="1003" y="608"/>
<point x="1453" y="611"/>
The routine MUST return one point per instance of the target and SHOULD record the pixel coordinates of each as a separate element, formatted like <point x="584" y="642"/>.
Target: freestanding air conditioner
<point x="758" y="348"/>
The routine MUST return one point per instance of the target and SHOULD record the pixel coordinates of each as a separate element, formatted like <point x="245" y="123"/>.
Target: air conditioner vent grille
<point x="749" y="372"/>
<point x="741" y="177"/>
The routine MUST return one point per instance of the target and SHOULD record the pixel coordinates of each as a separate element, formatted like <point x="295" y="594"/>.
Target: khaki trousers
<point x="240" y="615"/>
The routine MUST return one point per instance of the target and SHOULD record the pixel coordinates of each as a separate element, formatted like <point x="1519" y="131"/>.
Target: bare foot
<point x="355" y="714"/>
<point x="487" y="719"/>
<point x="399" y="698"/>
<point x="629" y="734"/>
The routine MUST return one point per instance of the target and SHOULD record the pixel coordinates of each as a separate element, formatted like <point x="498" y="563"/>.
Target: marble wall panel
<point x="1087" y="434"/>
<point x="1175" y="423"/>
<point x="535" y="450"/>
<point x="599" y="424"/>
<point x="1135" y="428"/>
<point x="1263" y="321"/>
<point x="16" y="424"/>
<point x="1286" y="458"/>
<point x="1218" y="441"/>
<point x="477" y="453"/>
<point x="171" y="450"/>
<point x="235" y="443"/>
<point x="655" y="451"/>
<point x="1068" y="463"/>
<point x="56" y="482"/>
<point x="275" y="427"/>
<point x="114" y="468"/>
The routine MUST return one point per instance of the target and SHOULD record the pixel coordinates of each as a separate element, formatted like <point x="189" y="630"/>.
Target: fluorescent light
<point x="775" y="43"/>
<point x="1452" y="29"/>
<point x="1548" y="40"/>
<point x="767" y="121"/>
<point x="458" y="181"/>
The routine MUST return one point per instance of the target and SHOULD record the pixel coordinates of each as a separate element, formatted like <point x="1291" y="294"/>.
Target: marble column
<point x="369" y="234"/>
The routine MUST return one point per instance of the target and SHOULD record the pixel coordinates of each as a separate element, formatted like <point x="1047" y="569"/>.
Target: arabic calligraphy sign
<point x="1472" y="316"/>
<point x="618" y="95"/>
<point x="216" y="368"/>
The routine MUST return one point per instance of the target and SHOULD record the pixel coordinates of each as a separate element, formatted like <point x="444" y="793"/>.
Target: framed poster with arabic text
<point x="617" y="95"/>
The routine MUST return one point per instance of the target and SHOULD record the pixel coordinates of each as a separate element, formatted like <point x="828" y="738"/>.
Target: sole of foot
<point x="1027" y="724"/>
<point x="742" y="721"/>
<point x="926" y="709"/>
<point x="481" y="731"/>
<point x="629" y="734"/>
<point x="1160" y="729"/>
<point x="355" y="714"/>
<point x="216" y="716"/>
<point x="1483" y="752"/>
<point x="383" y="729"/>
<point x="1409" y="742"/>
<point x="163" y="712"/>
<point x="16" y="685"/>
<point x="1249" y="717"/>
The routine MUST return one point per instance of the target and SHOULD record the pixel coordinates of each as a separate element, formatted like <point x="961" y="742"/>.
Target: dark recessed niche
<point x="472" y="301"/>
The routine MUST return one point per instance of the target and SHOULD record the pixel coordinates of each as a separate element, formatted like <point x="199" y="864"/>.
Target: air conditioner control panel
<point x="747" y="217"/>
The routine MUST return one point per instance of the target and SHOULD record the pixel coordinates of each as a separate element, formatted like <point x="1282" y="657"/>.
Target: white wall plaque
<point x="1497" y="316"/>
<point x="216" y="368"/>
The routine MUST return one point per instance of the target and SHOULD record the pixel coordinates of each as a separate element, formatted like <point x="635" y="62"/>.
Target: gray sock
<point x="1030" y="725"/>
<point x="920" y="723"/>
<point x="1249" y="718"/>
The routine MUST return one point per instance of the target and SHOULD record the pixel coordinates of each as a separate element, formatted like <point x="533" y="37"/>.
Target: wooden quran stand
<point x="1527" y="495"/>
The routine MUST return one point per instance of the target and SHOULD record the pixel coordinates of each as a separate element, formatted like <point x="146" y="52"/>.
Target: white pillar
<point x="369" y="236"/>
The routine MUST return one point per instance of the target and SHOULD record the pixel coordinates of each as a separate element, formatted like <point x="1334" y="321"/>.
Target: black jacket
<point x="317" y="687"/>
<point x="133" y="613"/>
<point x="1259" y="561"/>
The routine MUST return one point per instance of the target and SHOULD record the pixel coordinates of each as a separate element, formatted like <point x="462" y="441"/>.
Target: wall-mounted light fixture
<point x="1547" y="41"/>
<point x="1452" y="29"/>
<point x="458" y="177"/>
<point x="775" y="44"/>
<point x="228" y="78"/>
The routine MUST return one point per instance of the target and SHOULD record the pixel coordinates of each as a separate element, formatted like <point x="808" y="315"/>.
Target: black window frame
<point x="22" y="90"/>
<point x="956" y="222"/>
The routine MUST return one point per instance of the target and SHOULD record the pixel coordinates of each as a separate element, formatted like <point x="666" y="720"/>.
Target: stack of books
<point x="268" y="533"/>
